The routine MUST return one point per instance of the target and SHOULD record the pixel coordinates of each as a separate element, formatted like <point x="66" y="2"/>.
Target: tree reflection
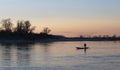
<point x="15" y="54"/>
<point x="6" y="55"/>
<point x="23" y="54"/>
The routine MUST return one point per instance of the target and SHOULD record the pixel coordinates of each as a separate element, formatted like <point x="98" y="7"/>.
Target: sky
<point x="66" y="17"/>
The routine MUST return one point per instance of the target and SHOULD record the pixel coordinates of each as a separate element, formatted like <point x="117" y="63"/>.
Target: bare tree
<point x="24" y="26"/>
<point x="27" y="26"/>
<point x="32" y="29"/>
<point x="46" y="30"/>
<point x="7" y="25"/>
<point x="20" y="26"/>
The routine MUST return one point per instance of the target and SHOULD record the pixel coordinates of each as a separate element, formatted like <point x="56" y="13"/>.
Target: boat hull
<point x="82" y="48"/>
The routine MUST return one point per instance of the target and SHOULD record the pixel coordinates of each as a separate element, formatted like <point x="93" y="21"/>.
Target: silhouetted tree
<point x="114" y="36"/>
<point x="20" y="26"/>
<point x="27" y="26"/>
<point x="32" y="29"/>
<point x="81" y="36"/>
<point x="7" y="25"/>
<point x="24" y="27"/>
<point x="46" y="30"/>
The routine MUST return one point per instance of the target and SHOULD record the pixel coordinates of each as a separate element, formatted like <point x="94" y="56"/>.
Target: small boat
<point x="82" y="47"/>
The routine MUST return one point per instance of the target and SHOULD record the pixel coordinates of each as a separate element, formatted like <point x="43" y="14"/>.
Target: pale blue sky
<point x="57" y="13"/>
<point x="60" y="7"/>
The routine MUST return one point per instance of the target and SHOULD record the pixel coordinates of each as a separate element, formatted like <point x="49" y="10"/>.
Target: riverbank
<point x="56" y="40"/>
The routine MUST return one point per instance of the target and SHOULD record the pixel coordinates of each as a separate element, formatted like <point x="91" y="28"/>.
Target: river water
<point x="102" y="55"/>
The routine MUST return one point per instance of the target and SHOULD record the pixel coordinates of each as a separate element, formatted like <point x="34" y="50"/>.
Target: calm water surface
<point x="60" y="56"/>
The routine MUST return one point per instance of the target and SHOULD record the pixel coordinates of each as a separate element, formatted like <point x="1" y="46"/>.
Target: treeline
<point x="23" y="31"/>
<point x="93" y="38"/>
<point x="101" y="38"/>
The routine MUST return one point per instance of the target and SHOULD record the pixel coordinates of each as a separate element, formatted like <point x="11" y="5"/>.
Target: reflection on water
<point x="61" y="55"/>
<point x="23" y="56"/>
<point x="6" y="55"/>
<point x="14" y="55"/>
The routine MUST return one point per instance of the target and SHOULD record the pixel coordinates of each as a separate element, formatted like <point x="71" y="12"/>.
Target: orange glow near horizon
<point x="74" y="27"/>
<point x="77" y="26"/>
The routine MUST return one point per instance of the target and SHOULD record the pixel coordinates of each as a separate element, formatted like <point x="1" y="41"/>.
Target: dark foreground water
<point x="60" y="56"/>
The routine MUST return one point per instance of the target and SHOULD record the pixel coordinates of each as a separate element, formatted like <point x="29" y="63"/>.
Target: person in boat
<point x="85" y="47"/>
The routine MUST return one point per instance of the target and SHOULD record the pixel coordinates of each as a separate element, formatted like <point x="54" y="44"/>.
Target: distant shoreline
<point x="55" y="40"/>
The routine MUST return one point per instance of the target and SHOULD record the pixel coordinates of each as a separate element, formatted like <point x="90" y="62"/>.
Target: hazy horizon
<point x="66" y="17"/>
